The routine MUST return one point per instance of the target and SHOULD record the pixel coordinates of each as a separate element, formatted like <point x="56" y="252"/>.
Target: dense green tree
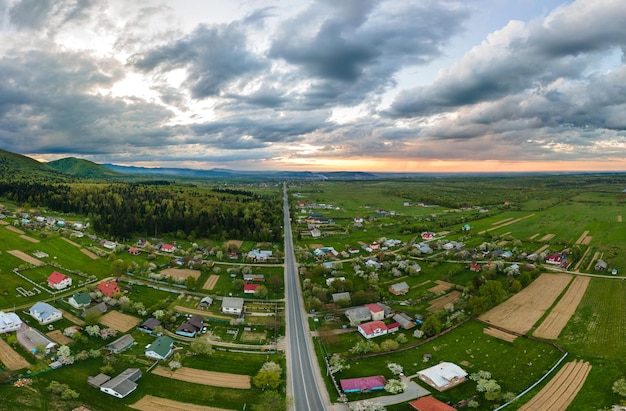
<point x="431" y="326"/>
<point x="492" y="292"/>
<point x="270" y="400"/>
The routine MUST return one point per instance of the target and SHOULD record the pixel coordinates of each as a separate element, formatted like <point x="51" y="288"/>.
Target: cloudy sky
<point x="369" y="85"/>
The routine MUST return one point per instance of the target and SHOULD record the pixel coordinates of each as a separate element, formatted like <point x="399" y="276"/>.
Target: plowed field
<point x="150" y="403"/>
<point x="561" y="390"/>
<point x="554" y="323"/>
<point x="212" y="378"/>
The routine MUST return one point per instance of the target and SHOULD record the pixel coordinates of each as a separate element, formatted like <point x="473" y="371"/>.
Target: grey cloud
<point x="48" y="14"/>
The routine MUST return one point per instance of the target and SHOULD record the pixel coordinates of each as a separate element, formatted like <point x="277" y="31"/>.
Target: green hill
<point x="16" y="167"/>
<point x="80" y="168"/>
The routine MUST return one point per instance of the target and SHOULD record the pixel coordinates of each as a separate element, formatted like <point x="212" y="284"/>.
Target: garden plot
<point x="58" y="337"/>
<point x="554" y="323"/>
<point x="547" y="237"/>
<point x="15" y="230"/>
<point x="70" y="242"/>
<point x="10" y="358"/>
<point x="502" y="335"/>
<point x="212" y="378"/>
<point x="27" y="238"/>
<point x="582" y="237"/>
<point x="439" y="303"/>
<point x="25" y="257"/>
<point x="118" y="321"/>
<point x="151" y="403"/>
<point x="234" y="244"/>
<point x="441" y="287"/>
<point x="517" y="220"/>
<point x="561" y="390"/>
<point x="181" y="272"/>
<point x="619" y="218"/>
<point x="211" y="281"/>
<point x="89" y="254"/>
<point x="520" y="312"/>
<point x="542" y="249"/>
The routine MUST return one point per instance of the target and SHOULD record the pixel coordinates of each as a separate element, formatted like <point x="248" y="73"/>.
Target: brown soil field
<point x="15" y="230"/>
<point x="27" y="238"/>
<point x="441" y="287"/>
<point x="199" y="312"/>
<point x="619" y="218"/>
<point x="2" y="222"/>
<point x="89" y="254"/>
<point x="520" y="312"/>
<point x="517" y="220"/>
<point x="587" y="240"/>
<point x="25" y="257"/>
<point x="315" y="246"/>
<point x="593" y="260"/>
<point x="250" y="336"/>
<point x="151" y="403"/>
<point x="547" y="237"/>
<point x="554" y="323"/>
<point x="72" y="318"/>
<point x="212" y="378"/>
<point x="181" y="272"/>
<point x="211" y="281"/>
<point x="58" y="337"/>
<point x="561" y="390"/>
<point x="542" y="249"/>
<point x="118" y="321"/>
<point x="438" y="303"/>
<point x="70" y="241"/>
<point x="502" y="221"/>
<point x="502" y="335"/>
<point x="533" y="236"/>
<point x="234" y="244"/>
<point x="501" y="243"/>
<point x="582" y="237"/>
<point x="10" y="358"/>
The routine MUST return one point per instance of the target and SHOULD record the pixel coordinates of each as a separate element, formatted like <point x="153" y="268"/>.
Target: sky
<point x="327" y="85"/>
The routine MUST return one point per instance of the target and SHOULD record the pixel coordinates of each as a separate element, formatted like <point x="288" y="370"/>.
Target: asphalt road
<point x="304" y="381"/>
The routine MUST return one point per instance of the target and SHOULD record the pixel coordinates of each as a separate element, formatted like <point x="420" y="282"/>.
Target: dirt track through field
<point x="595" y="257"/>
<point x="561" y="390"/>
<point x="517" y="220"/>
<point x="70" y="242"/>
<point x="619" y="218"/>
<point x="439" y="303"/>
<point x="542" y="249"/>
<point x="520" y="312"/>
<point x="212" y="378"/>
<point x="502" y="335"/>
<point x="547" y="237"/>
<point x="151" y="403"/>
<point x="10" y="358"/>
<point x="181" y="272"/>
<point x="211" y="281"/>
<point x="554" y="323"/>
<point x="441" y="287"/>
<point x="582" y="237"/>
<point x="25" y="257"/>
<point x="533" y="236"/>
<point x="118" y="321"/>
<point x="31" y="239"/>
<point x="89" y="254"/>
<point x="15" y="230"/>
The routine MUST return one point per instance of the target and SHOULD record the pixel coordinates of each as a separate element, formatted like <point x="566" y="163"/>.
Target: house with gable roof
<point x="44" y="313"/>
<point x="160" y="348"/>
<point x="443" y="376"/>
<point x="372" y="329"/>
<point x="59" y="281"/>
<point x="9" y="322"/>
<point x="232" y="305"/>
<point x="119" y="386"/>
<point x="108" y="288"/>
<point x="400" y="288"/>
<point x="377" y="312"/>
<point x="79" y="300"/>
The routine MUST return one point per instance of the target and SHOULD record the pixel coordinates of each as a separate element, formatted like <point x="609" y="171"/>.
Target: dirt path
<point x="10" y="358"/>
<point x="212" y="378"/>
<point x="71" y="242"/>
<point x="520" y="312"/>
<point x="561" y="390"/>
<point x="151" y="403"/>
<point x="554" y="323"/>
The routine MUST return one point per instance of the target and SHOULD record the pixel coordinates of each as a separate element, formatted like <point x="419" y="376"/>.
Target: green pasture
<point x="9" y="296"/>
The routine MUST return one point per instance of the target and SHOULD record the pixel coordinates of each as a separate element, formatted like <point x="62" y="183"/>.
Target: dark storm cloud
<point x="216" y="57"/>
<point x="46" y="14"/>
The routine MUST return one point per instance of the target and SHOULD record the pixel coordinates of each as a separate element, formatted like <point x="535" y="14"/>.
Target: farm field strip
<point x="25" y="257"/>
<point x="520" y="312"/>
<point x="593" y="259"/>
<point x="72" y="317"/>
<point x="15" y="230"/>
<point x="89" y="254"/>
<point x="582" y="237"/>
<point x="67" y="240"/>
<point x="438" y="303"/>
<point x="517" y="220"/>
<point x="558" y="318"/>
<point x="181" y="272"/>
<point x="31" y="239"/>
<point x="547" y="237"/>
<point x="10" y="358"/>
<point x="502" y="221"/>
<point x="441" y="287"/>
<point x="561" y="390"/>
<point x="211" y="281"/>
<point x="151" y="403"/>
<point x="118" y="321"/>
<point x="502" y="335"/>
<point x="542" y="249"/>
<point x="533" y="236"/>
<point x="212" y="378"/>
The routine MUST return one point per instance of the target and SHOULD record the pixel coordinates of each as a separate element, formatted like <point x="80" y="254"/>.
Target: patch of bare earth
<point x="70" y="241"/>
<point x="89" y="254"/>
<point x="181" y="272"/>
<point x="547" y="237"/>
<point x="587" y="240"/>
<point x="533" y="236"/>
<point x="211" y="281"/>
<point x="520" y="312"/>
<point x="582" y="237"/>
<point x="441" y="287"/>
<point x="554" y="323"/>
<point x="14" y="229"/>
<point x="27" y="238"/>
<point x="619" y="218"/>
<point x="118" y="321"/>
<point x="151" y="403"/>
<point x="315" y="246"/>
<point x="561" y="390"/>
<point x="212" y="378"/>
<point x="517" y="220"/>
<point x="439" y="303"/>
<point x="234" y="244"/>
<point x="502" y="335"/>
<point x="25" y="257"/>
<point x="2" y="222"/>
<point x="58" y="337"/>
<point x="10" y="358"/>
<point x="542" y="249"/>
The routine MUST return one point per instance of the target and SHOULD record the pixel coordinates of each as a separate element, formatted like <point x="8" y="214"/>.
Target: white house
<point x="443" y="376"/>
<point x="44" y="313"/>
<point x="232" y="305"/>
<point x="372" y="329"/>
<point x="79" y="300"/>
<point x="123" y="384"/>
<point x="9" y="322"/>
<point x="160" y="349"/>
<point x="377" y="312"/>
<point x="59" y="281"/>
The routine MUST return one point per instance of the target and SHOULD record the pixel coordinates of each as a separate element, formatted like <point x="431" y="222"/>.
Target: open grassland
<point x="215" y="379"/>
<point x="151" y="403"/>
<point x="558" y="317"/>
<point x="11" y="358"/>
<point x="118" y="321"/>
<point x="520" y="312"/>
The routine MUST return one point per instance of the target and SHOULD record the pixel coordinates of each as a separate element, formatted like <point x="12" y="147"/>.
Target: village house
<point x="160" y="348"/>
<point x="601" y="265"/>
<point x="149" y="325"/>
<point x="168" y="248"/>
<point x="474" y="266"/>
<point x="430" y="403"/>
<point x="250" y="288"/>
<point x="59" y="281"/>
<point x="443" y="376"/>
<point x="119" y="386"/>
<point x="108" y="288"/>
<point x="9" y="322"/>
<point x="232" y="305"/>
<point x="122" y="343"/>
<point x="377" y="312"/>
<point x="44" y="313"/>
<point x="134" y="251"/>
<point x="205" y="302"/>
<point x="79" y="300"/>
<point x="358" y="315"/>
<point x="404" y="320"/>
<point x="363" y="384"/>
<point x="555" y="258"/>
<point x="259" y="256"/>
<point x="372" y="329"/>
<point x="191" y="327"/>
<point x="399" y="288"/>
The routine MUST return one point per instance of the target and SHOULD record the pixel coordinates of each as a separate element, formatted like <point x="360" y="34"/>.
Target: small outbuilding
<point x="443" y="376"/>
<point x="363" y="384"/>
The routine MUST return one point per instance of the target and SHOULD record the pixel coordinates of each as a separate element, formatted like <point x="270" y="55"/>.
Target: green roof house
<point x="160" y="349"/>
<point x="80" y="300"/>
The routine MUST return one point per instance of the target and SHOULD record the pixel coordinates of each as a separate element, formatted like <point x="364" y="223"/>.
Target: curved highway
<point x="304" y="380"/>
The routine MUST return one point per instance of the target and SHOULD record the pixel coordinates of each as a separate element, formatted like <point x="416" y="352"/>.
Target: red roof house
<point x="554" y="259"/>
<point x="372" y="329"/>
<point x="134" y="251"/>
<point x="474" y="266"/>
<point x="168" y="248"/>
<point x="59" y="281"/>
<point x="108" y="288"/>
<point x="378" y="312"/>
<point x="430" y="403"/>
<point x="250" y="288"/>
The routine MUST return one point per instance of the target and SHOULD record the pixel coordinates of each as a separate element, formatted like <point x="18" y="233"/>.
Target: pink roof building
<point x="108" y="288"/>
<point x="59" y="281"/>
